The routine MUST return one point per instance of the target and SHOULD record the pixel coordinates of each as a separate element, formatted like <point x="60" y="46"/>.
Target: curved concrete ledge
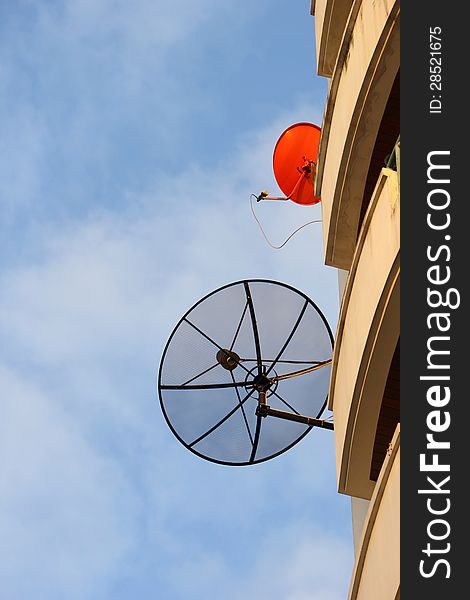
<point x="331" y="17"/>
<point x="368" y="330"/>
<point x="367" y="64"/>
<point x="376" y="572"/>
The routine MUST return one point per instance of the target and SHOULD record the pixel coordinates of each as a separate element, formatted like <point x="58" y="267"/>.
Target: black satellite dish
<point x="243" y="368"/>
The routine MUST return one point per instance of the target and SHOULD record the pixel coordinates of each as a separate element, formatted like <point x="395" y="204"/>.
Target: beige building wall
<point x="364" y="73"/>
<point x="359" y="508"/>
<point x="357" y="46"/>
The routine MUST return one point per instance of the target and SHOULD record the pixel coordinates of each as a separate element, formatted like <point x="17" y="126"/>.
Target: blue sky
<point x="132" y="136"/>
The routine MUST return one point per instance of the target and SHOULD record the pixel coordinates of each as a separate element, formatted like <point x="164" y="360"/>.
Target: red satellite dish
<point x="295" y="160"/>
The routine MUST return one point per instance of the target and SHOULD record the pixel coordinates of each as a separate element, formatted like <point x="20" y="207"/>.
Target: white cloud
<point x="21" y="158"/>
<point x="114" y="282"/>
<point x="67" y="510"/>
<point x="88" y="319"/>
<point x="95" y="490"/>
<point x="298" y="562"/>
<point x="81" y="81"/>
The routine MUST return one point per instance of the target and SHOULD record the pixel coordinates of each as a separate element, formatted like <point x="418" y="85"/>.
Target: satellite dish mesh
<point x="242" y="334"/>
